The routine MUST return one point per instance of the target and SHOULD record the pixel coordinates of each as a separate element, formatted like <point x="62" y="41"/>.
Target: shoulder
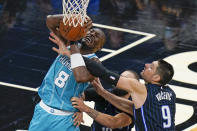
<point x="170" y="90"/>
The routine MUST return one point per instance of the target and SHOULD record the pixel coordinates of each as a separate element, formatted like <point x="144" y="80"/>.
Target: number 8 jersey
<point x="59" y="84"/>
<point x="158" y="111"/>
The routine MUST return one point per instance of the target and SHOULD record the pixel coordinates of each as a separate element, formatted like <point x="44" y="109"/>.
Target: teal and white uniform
<point x="56" y="90"/>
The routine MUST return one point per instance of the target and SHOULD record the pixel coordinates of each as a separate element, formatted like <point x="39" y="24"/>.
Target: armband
<point x="76" y="60"/>
<point x="99" y="70"/>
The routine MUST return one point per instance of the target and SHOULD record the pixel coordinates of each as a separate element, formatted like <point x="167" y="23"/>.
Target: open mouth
<point x="88" y="40"/>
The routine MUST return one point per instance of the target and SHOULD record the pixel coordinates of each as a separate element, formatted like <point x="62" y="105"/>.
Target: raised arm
<point x="129" y="84"/>
<point x="78" y="67"/>
<point x="53" y="23"/>
<point x="117" y="121"/>
<point x="80" y="71"/>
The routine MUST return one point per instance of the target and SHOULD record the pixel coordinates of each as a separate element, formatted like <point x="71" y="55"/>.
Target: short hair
<point x="135" y="74"/>
<point x="166" y="71"/>
<point x="121" y="92"/>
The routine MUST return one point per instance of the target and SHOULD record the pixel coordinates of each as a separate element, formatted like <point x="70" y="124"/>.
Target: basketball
<point x="72" y="33"/>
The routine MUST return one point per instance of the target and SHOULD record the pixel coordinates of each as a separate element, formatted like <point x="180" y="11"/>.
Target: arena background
<point x="138" y="31"/>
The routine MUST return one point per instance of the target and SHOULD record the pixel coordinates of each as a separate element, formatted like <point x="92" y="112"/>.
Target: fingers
<point x="78" y="103"/>
<point x="74" y="98"/>
<point x="88" y="26"/>
<point x="88" y="23"/>
<point x="98" y="80"/>
<point x="74" y="115"/>
<point x="54" y="35"/>
<point x="79" y="123"/>
<point x="75" y="102"/>
<point x="95" y="82"/>
<point x="53" y="40"/>
<point x="56" y="50"/>
<point x="78" y="118"/>
<point x="75" y="120"/>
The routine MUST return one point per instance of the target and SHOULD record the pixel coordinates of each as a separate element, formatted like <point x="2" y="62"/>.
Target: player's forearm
<point x="92" y="113"/>
<point x="99" y="70"/>
<point x="80" y="72"/>
<point x="101" y="118"/>
<point x="53" y="22"/>
<point x="120" y="103"/>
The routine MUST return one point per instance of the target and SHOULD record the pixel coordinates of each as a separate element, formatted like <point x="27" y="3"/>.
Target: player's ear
<point x="156" y="78"/>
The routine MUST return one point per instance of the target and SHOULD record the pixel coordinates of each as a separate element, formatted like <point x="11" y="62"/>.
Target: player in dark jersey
<point x="154" y="102"/>
<point x="109" y="118"/>
<point x="115" y="120"/>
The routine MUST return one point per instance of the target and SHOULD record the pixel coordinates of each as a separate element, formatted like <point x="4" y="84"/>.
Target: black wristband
<point x="99" y="70"/>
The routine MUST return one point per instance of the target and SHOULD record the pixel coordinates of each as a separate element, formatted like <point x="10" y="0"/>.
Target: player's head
<point x="158" y="72"/>
<point x="93" y="41"/>
<point x="128" y="74"/>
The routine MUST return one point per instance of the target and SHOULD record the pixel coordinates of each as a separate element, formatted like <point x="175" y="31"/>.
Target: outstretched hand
<point x="97" y="85"/>
<point x="62" y="46"/>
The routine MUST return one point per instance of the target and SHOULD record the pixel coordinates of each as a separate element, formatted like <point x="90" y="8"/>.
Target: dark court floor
<point x="138" y="32"/>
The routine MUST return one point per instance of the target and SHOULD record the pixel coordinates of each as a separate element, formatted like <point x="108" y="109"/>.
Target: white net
<point x="75" y="12"/>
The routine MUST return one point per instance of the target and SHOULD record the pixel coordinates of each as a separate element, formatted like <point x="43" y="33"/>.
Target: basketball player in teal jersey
<point x="55" y="111"/>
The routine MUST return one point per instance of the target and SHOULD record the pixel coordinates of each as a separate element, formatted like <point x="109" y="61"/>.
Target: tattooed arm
<point x="120" y="120"/>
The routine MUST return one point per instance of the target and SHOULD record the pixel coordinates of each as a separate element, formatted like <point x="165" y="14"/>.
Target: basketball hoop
<point x="75" y="12"/>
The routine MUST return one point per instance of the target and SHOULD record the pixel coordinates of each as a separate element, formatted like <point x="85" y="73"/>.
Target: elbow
<point x="111" y="123"/>
<point x="48" y="20"/>
<point x="81" y="79"/>
<point x="111" y="126"/>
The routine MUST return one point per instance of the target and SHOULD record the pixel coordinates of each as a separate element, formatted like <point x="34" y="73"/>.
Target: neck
<point x="155" y="83"/>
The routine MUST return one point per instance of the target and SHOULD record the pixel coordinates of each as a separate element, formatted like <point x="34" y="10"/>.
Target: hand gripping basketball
<point x="72" y="33"/>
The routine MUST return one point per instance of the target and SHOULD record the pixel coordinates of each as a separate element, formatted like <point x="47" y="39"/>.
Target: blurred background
<point x="26" y="55"/>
